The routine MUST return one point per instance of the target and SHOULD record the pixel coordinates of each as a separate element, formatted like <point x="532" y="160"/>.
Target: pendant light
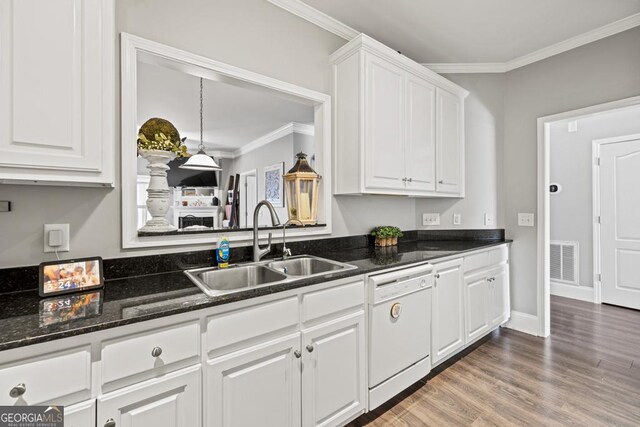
<point x="201" y="161"/>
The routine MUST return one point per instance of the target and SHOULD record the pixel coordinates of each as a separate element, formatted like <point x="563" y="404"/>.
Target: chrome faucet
<point x="286" y="252"/>
<point x="259" y="252"/>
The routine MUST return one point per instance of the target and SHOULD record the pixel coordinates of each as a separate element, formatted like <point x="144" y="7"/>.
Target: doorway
<point x="590" y="280"/>
<point x="248" y="197"/>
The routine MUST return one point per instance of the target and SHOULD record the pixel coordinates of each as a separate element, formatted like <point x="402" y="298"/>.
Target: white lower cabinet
<point x="172" y="400"/>
<point x="477" y="312"/>
<point x="257" y="386"/>
<point x="499" y="295"/>
<point x="447" y="334"/>
<point x="80" y="415"/>
<point x="333" y="371"/>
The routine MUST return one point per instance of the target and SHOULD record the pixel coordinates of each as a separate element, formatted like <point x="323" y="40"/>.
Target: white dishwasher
<point x="399" y="330"/>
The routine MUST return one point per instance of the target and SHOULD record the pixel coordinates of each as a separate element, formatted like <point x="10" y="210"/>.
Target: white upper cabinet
<point x="449" y="143"/>
<point x="399" y="127"/>
<point x="57" y="92"/>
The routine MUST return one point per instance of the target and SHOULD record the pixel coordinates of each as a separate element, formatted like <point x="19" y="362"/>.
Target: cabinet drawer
<point x="57" y="378"/>
<point x="258" y="322"/>
<point x="132" y="355"/>
<point x="498" y="256"/>
<point x="333" y="300"/>
<point x="475" y="262"/>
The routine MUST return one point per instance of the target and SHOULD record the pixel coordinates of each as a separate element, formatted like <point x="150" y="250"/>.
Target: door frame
<point x="543" y="230"/>
<point x="597" y="237"/>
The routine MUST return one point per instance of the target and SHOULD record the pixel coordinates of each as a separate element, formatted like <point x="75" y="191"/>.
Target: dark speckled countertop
<point x="25" y="320"/>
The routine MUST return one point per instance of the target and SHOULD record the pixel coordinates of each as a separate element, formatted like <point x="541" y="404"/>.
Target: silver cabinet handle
<point x="396" y="309"/>
<point x="18" y="390"/>
<point x="110" y="423"/>
<point x="441" y="182"/>
<point x="437" y="276"/>
<point x="410" y="180"/>
<point x="156" y="352"/>
<point x="297" y="354"/>
<point x="404" y="179"/>
<point x="309" y="348"/>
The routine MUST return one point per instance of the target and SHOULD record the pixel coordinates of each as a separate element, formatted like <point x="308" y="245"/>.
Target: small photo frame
<point x="274" y="185"/>
<point x="72" y="275"/>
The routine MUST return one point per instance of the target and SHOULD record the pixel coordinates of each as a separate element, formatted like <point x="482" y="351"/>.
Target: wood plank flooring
<point x="586" y="374"/>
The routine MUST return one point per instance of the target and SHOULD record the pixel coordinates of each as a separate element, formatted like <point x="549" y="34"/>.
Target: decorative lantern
<point x="301" y="185"/>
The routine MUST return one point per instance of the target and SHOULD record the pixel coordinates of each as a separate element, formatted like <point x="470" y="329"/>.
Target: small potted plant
<point x="386" y="235"/>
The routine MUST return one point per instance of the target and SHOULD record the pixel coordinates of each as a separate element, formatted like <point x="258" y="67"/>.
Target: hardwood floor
<point x="586" y="374"/>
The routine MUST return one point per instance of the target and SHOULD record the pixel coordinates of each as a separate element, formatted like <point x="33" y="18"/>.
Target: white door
<point x="384" y="144"/>
<point x="499" y="296"/>
<point x="80" y="415"/>
<point x="420" y="149"/>
<point x="477" y="306"/>
<point x="173" y="400"/>
<point x="333" y="371"/>
<point x="449" y="142"/>
<point x="620" y="222"/>
<point x="447" y="310"/>
<point x="248" y="197"/>
<point x="258" y="386"/>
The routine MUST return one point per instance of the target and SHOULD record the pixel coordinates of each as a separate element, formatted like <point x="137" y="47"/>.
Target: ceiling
<point x="474" y="31"/>
<point x="233" y="115"/>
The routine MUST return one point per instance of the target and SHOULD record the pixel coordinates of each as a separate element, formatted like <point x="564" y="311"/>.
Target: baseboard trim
<point x="582" y="293"/>
<point x="524" y="322"/>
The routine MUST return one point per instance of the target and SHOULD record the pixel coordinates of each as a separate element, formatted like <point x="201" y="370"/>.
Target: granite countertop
<point x="26" y="318"/>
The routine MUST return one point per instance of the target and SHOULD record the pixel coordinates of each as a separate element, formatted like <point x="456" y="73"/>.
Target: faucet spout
<point x="258" y="251"/>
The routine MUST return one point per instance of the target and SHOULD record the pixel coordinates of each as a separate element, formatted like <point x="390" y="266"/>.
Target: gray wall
<point x="484" y="113"/>
<point x="251" y="34"/>
<point x="604" y="71"/>
<point x="571" y="159"/>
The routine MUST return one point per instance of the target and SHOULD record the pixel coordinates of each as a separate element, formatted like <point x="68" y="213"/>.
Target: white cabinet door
<point x="477" y="306"/>
<point x="173" y="400"/>
<point x="449" y="143"/>
<point x="384" y="125"/>
<point x="500" y="304"/>
<point x="57" y="91"/>
<point x="80" y="415"/>
<point x="258" y="386"/>
<point x="447" y="335"/>
<point x="333" y="371"/>
<point x="420" y="149"/>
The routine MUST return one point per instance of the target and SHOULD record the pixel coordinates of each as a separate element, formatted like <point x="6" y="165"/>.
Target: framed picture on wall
<point x="273" y="184"/>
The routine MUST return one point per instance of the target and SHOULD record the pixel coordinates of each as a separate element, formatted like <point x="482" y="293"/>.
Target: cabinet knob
<point x="297" y="354"/>
<point x="441" y="182"/>
<point x="404" y="179"/>
<point x="110" y="423"/>
<point x="18" y="390"/>
<point x="437" y="276"/>
<point x="396" y="309"/>
<point x="410" y="180"/>
<point x="156" y="352"/>
<point x="309" y="348"/>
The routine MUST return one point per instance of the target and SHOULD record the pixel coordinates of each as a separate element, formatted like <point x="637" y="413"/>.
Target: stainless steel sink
<point x="305" y="266"/>
<point x="217" y="281"/>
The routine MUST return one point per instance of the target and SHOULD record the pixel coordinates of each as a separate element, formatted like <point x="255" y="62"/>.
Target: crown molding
<point x="316" y="17"/>
<point x="283" y="131"/>
<point x="470" y="67"/>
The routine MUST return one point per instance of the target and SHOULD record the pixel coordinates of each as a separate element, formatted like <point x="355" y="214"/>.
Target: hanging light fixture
<point x="201" y="161"/>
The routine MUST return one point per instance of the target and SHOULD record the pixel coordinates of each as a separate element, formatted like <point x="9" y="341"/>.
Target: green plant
<point x="386" y="232"/>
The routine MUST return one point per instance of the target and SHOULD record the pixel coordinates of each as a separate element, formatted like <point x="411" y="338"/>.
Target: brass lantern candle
<point x="301" y="187"/>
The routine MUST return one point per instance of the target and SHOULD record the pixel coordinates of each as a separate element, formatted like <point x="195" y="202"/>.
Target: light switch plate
<point x="457" y="219"/>
<point x="526" y="220"/>
<point x="64" y="239"/>
<point x="430" y="219"/>
<point x="489" y="219"/>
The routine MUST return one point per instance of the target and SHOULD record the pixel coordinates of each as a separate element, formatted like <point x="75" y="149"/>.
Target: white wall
<point x="571" y="160"/>
<point x="251" y="34"/>
<point x="603" y="71"/>
<point x="483" y="157"/>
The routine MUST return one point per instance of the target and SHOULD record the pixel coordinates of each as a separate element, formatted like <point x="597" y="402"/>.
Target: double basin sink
<point x="215" y="281"/>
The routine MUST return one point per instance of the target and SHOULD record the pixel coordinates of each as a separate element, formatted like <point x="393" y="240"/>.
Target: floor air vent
<point x="564" y="262"/>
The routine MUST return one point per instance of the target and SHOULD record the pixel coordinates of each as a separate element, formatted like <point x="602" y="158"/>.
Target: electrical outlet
<point x="489" y="219"/>
<point x="430" y="219"/>
<point x="457" y="219"/>
<point x="56" y="234"/>
<point x="526" y="219"/>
